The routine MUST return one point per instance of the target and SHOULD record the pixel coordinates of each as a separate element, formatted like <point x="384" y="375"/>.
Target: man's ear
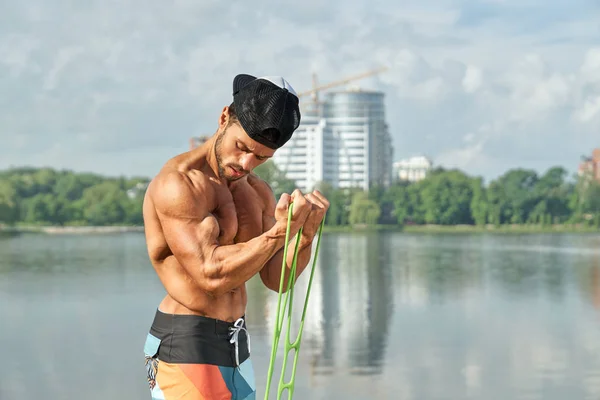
<point x="224" y="118"/>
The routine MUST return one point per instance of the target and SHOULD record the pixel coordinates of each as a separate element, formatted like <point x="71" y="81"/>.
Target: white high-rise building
<point x="302" y="157"/>
<point x="347" y="145"/>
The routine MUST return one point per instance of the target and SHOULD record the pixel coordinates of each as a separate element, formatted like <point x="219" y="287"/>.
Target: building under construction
<point x="343" y="138"/>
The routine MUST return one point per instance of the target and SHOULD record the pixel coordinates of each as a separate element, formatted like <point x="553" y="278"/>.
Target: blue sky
<point x="119" y="87"/>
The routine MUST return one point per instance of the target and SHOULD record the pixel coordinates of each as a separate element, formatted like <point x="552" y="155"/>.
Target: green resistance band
<point x="280" y="315"/>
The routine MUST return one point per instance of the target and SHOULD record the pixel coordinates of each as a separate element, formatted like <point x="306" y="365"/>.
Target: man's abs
<point x="228" y="307"/>
<point x="185" y="297"/>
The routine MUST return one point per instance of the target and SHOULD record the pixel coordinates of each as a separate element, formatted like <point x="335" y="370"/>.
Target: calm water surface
<point x="392" y="316"/>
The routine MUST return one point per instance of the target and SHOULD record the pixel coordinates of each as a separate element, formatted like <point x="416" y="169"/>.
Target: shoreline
<point x="54" y="230"/>
<point x="462" y="229"/>
<point x="434" y="229"/>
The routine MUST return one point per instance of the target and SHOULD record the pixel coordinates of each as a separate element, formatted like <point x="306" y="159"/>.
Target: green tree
<point x="8" y="202"/>
<point x="519" y="187"/>
<point x="47" y="196"/>
<point x="363" y="210"/>
<point x="447" y="197"/>
<point x="336" y="203"/>
<point x="591" y="203"/>
<point x="408" y="204"/>
<point x="36" y="209"/>
<point x="551" y="195"/>
<point x="511" y="197"/>
<point x="479" y="204"/>
<point x="276" y="178"/>
<point x="104" y="204"/>
<point x="70" y="187"/>
<point x="385" y="198"/>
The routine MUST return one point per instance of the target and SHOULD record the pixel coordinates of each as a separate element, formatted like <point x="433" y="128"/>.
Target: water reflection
<point x="472" y="316"/>
<point x="391" y="316"/>
<point x="350" y="307"/>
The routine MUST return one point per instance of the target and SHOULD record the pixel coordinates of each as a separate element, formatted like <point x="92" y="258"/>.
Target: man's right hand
<point x="301" y="210"/>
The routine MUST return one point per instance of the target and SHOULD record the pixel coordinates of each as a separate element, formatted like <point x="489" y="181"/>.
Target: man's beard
<point x="220" y="165"/>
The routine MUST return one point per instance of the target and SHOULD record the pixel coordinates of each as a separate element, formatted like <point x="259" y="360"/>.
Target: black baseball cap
<point x="267" y="108"/>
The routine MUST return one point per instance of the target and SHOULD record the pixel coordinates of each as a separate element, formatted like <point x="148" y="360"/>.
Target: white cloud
<point x="15" y="53"/>
<point x="122" y="79"/>
<point x="63" y="58"/>
<point x="469" y="137"/>
<point x="591" y="65"/>
<point x="589" y="110"/>
<point x="473" y="79"/>
<point x="470" y="156"/>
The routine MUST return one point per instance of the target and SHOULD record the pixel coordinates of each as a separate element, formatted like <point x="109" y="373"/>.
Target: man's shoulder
<point x="176" y="190"/>
<point x="262" y="188"/>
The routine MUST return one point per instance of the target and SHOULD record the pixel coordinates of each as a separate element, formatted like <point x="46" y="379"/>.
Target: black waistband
<point x="198" y="340"/>
<point x="185" y="323"/>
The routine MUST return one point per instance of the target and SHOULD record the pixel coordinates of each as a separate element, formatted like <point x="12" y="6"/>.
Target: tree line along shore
<point x="521" y="200"/>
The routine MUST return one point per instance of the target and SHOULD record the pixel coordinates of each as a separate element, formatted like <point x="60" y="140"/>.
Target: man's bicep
<point x="188" y="228"/>
<point x="189" y="239"/>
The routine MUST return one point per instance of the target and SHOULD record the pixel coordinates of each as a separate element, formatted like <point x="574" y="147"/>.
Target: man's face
<point x="237" y="155"/>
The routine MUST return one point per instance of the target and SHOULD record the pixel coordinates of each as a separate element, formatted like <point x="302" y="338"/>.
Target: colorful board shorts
<point x="190" y="357"/>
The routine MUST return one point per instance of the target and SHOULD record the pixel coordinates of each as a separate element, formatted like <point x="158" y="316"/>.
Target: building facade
<point x="346" y="143"/>
<point x="303" y="156"/>
<point x="413" y="169"/>
<point x="591" y="165"/>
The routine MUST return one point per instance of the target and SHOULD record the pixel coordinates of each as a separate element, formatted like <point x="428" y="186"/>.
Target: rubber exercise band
<point x="279" y="315"/>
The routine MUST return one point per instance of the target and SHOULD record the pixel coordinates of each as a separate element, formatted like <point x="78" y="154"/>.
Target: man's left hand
<point x="320" y="205"/>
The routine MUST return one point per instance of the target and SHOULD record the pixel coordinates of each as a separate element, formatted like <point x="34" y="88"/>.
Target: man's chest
<point x="239" y="213"/>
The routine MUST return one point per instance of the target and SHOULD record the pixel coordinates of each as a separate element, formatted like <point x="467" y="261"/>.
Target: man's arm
<point x="191" y="233"/>
<point x="271" y="273"/>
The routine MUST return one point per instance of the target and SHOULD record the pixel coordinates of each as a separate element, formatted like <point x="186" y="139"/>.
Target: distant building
<point x="346" y="144"/>
<point x="303" y="158"/>
<point x="413" y="169"/>
<point x="591" y="165"/>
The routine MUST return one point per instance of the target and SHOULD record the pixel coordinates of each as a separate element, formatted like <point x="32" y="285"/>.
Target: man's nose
<point x="246" y="161"/>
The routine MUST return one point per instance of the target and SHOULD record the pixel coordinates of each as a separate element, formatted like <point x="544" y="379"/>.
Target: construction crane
<point x="314" y="93"/>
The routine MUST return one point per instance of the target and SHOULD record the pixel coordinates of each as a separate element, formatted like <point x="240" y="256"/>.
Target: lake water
<point x="391" y="316"/>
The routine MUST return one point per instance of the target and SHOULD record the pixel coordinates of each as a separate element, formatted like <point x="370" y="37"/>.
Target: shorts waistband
<point x="165" y="322"/>
<point x="177" y="338"/>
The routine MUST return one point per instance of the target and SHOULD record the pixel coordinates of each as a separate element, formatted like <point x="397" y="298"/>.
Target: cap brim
<point x="240" y="81"/>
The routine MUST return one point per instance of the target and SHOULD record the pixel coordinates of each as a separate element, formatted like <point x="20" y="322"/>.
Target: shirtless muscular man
<point x="211" y="225"/>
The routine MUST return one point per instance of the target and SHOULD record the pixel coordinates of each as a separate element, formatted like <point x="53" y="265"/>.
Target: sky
<point x="118" y="87"/>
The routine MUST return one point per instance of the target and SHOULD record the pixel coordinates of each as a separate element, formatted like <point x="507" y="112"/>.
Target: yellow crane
<point x="314" y="93"/>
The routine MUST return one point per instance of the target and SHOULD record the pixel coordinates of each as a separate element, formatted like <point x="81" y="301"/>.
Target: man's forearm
<point x="231" y="266"/>
<point x="271" y="273"/>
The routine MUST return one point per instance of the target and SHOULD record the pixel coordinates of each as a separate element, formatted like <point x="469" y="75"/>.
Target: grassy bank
<point x="448" y="229"/>
<point x="69" y="229"/>
<point x="467" y="229"/>
<point x="563" y="228"/>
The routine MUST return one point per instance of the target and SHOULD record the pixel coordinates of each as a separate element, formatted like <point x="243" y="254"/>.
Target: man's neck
<point x="211" y="157"/>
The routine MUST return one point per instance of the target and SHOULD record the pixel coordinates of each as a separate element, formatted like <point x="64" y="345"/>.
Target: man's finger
<point x="285" y="197"/>
<point x="315" y="200"/>
<point x="297" y="193"/>
<point x="320" y="196"/>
